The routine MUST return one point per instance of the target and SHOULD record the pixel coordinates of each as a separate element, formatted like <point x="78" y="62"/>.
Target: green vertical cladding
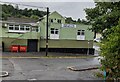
<point x="67" y="44"/>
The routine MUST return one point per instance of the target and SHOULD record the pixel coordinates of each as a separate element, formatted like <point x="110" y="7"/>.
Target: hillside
<point x="11" y="11"/>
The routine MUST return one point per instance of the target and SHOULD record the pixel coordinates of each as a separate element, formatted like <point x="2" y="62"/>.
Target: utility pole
<point x="47" y="32"/>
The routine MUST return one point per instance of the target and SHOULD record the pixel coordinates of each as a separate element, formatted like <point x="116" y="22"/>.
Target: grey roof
<point x="28" y="21"/>
<point x="21" y="20"/>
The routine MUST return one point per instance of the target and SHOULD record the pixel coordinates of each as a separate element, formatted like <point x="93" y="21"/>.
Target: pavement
<point x="42" y="55"/>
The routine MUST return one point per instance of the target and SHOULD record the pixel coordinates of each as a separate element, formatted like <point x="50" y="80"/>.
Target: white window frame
<point x="54" y="35"/>
<point x="19" y="30"/>
<point x="81" y="36"/>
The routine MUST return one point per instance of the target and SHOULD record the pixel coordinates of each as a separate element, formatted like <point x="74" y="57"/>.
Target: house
<point x="19" y="31"/>
<point x="63" y="37"/>
<point x="73" y="38"/>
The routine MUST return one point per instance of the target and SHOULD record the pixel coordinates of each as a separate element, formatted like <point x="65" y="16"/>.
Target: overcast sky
<point x="67" y="9"/>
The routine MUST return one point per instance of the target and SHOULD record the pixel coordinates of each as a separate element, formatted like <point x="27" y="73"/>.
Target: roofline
<point x="17" y="23"/>
<point x="53" y="12"/>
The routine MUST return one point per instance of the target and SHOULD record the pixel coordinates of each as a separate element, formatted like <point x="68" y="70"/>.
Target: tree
<point x="11" y="11"/>
<point x="105" y="19"/>
<point x="104" y="16"/>
<point x="68" y="20"/>
<point x="111" y="53"/>
<point x="79" y="21"/>
<point x="34" y="17"/>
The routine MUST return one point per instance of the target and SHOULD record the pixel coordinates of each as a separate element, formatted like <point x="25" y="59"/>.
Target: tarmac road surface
<point x="48" y="68"/>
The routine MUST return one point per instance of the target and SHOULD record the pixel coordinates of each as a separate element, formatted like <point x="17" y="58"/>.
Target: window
<point x="81" y="32"/>
<point x="22" y="28"/>
<point x="78" y="33"/>
<point x="52" y="30"/>
<point x="11" y="27"/>
<point x="37" y="30"/>
<point x="54" y="33"/>
<point x="59" y="21"/>
<point x="81" y="35"/>
<point x="27" y="29"/>
<point x="16" y="27"/>
<point x="51" y="20"/>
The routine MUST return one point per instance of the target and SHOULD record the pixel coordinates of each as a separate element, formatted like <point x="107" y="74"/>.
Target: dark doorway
<point x="3" y="47"/>
<point x="32" y="45"/>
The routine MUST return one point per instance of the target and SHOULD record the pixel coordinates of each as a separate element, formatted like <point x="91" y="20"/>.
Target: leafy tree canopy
<point x="105" y="19"/>
<point x="104" y="16"/>
<point x="110" y="50"/>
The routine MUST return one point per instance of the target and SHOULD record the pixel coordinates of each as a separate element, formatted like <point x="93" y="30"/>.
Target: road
<point x="47" y="68"/>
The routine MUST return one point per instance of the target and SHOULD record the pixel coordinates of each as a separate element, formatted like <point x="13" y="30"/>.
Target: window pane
<point x="82" y="33"/>
<point x="16" y="25"/>
<point x="10" y="25"/>
<point x="27" y="26"/>
<point x="37" y="30"/>
<point x="56" y="32"/>
<point x="52" y="32"/>
<point x="52" y="28"/>
<point x="27" y="29"/>
<point x="10" y="28"/>
<point x="21" y="27"/>
<point x="16" y="28"/>
<point x="59" y="21"/>
<point x="79" y="30"/>
<point x="51" y="20"/>
<point x="78" y="33"/>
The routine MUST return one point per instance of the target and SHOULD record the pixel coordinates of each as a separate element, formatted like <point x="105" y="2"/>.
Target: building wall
<point x="55" y="15"/>
<point x="66" y="44"/>
<point x="27" y="35"/>
<point x="8" y="42"/>
<point x="66" y="33"/>
<point x="10" y="39"/>
<point x="67" y="37"/>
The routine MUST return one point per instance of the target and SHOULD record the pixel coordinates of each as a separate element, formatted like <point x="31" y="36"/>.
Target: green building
<point x="73" y="38"/>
